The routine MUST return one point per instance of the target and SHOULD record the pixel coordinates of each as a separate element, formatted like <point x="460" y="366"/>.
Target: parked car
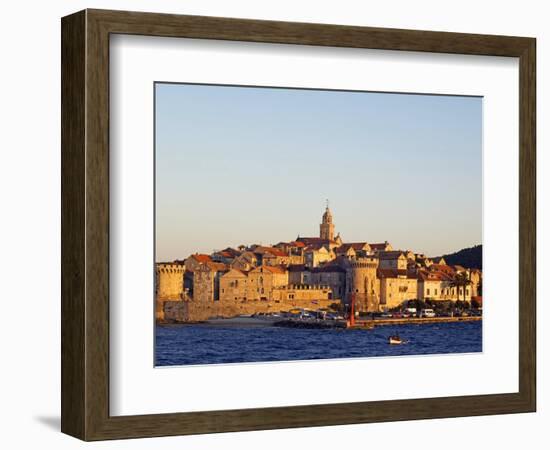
<point x="427" y="313"/>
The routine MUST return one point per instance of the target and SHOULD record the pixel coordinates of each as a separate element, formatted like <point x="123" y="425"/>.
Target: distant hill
<point x="467" y="257"/>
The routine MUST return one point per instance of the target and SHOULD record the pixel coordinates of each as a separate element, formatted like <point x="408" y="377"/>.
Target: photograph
<point x="300" y="224"/>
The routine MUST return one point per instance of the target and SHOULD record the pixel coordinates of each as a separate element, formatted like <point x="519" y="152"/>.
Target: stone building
<point x="226" y="256"/>
<point x="331" y="275"/>
<point x="302" y="293"/>
<point x="316" y="255"/>
<point x="294" y="250"/>
<point x="206" y="281"/>
<point x="435" y="285"/>
<point x="393" y="260"/>
<point x="352" y="249"/>
<point x="298" y="274"/>
<point x="245" y="261"/>
<point x="476" y="279"/>
<point x="234" y="286"/>
<point x="271" y="256"/>
<point x="263" y="279"/>
<point x="168" y="285"/>
<point x="194" y="261"/>
<point x="396" y="287"/>
<point x="381" y="247"/>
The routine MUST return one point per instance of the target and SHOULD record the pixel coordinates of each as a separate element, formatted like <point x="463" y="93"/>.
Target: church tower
<point x="327" y="227"/>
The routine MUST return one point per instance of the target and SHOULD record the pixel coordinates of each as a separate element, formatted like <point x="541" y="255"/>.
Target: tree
<point x="461" y="280"/>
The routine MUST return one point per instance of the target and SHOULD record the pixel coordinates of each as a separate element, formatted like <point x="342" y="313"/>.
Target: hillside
<point x="467" y="257"/>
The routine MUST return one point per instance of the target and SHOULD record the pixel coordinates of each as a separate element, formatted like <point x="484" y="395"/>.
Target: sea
<point x="198" y="344"/>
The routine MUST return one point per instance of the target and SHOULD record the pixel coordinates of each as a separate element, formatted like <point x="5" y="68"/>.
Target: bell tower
<point x="327" y="227"/>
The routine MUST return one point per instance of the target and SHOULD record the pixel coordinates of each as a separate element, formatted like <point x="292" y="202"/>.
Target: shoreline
<point x="251" y="322"/>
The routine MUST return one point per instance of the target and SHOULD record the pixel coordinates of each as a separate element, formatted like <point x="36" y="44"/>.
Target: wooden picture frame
<point x="85" y="224"/>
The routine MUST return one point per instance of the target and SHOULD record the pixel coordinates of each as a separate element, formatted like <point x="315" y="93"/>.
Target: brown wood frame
<point x="85" y="224"/>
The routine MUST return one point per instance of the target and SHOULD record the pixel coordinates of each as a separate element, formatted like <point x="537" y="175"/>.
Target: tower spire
<point x="327" y="227"/>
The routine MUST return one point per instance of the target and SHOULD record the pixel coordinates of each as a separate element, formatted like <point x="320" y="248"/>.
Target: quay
<point x="369" y="324"/>
<point x="414" y="320"/>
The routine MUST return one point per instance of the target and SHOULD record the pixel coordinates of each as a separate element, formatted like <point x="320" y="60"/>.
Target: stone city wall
<point x="190" y="311"/>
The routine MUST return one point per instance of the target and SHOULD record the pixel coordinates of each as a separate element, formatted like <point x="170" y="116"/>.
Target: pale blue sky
<point x="243" y="165"/>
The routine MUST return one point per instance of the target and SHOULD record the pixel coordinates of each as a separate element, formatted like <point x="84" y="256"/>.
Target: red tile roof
<point x="215" y="266"/>
<point x="442" y="268"/>
<point x="379" y="246"/>
<point x="270" y="250"/>
<point x="392" y="273"/>
<point x="202" y="258"/>
<point x="424" y="275"/>
<point x="272" y="269"/>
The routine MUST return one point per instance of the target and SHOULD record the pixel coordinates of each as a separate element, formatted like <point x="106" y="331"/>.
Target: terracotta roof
<point x="290" y="244"/>
<point x="271" y="250"/>
<point x="379" y="246"/>
<point x="442" y="268"/>
<point x="216" y="267"/>
<point x="392" y="273"/>
<point x="424" y="275"/>
<point x="276" y="252"/>
<point x="202" y="258"/>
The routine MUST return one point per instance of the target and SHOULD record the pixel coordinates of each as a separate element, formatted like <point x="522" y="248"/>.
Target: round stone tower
<point x="361" y="281"/>
<point x="168" y="285"/>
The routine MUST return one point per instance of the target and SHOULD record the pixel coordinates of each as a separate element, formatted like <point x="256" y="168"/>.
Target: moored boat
<point x="395" y="340"/>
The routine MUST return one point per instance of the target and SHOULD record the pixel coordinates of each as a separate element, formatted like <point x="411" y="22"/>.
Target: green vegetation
<point x="467" y="257"/>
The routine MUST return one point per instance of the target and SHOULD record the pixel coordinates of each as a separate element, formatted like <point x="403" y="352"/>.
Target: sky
<point x="243" y="165"/>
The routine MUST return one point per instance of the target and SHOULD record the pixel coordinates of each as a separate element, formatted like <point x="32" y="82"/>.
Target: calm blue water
<point x="207" y="344"/>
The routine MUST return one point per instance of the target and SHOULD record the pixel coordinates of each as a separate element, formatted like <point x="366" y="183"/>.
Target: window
<point x="428" y="291"/>
<point x="435" y="291"/>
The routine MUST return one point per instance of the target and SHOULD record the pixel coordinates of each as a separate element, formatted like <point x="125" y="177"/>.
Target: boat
<point x="395" y="340"/>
